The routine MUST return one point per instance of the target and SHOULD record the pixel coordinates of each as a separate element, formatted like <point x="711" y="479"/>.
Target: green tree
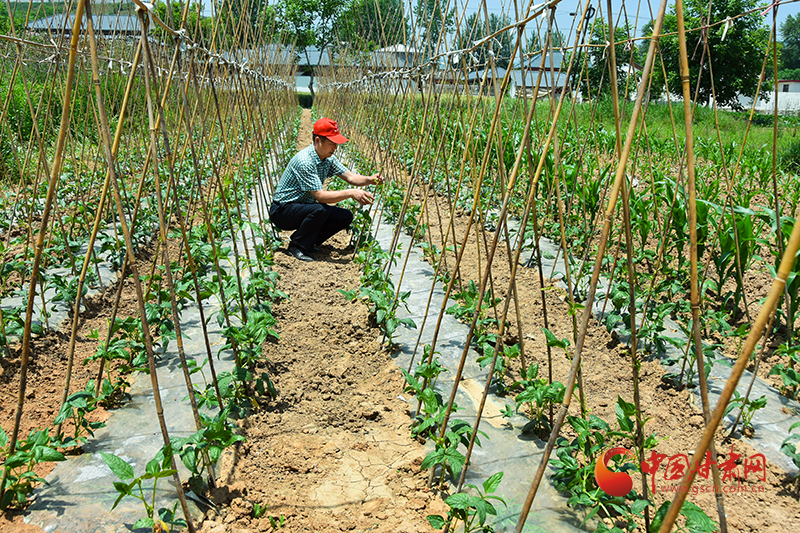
<point x="736" y="60"/>
<point x="432" y="22"/>
<point x="596" y="80"/>
<point x="475" y="29"/>
<point x="240" y="20"/>
<point x="371" y="24"/>
<point x="197" y="27"/>
<point x="308" y="23"/>
<point x="790" y="49"/>
<point x="3" y="22"/>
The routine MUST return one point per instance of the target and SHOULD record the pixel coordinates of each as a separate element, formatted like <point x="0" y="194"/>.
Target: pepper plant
<point x="471" y="510"/>
<point x="133" y="486"/>
<point x="38" y="448"/>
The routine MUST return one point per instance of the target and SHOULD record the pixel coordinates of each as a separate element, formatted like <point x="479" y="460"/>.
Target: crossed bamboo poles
<point x="427" y="144"/>
<point x="258" y="101"/>
<point x="226" y="115"/>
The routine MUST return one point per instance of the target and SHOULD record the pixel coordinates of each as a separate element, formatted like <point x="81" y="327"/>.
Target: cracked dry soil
<point x="333" y="452"/>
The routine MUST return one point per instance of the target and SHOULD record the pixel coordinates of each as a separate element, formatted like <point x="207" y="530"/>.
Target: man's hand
<point x="361" y="196"/>
<point x="376" y="179"/>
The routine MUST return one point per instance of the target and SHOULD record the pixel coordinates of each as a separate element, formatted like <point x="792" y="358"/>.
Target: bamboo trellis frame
<point x="201" y="88"/>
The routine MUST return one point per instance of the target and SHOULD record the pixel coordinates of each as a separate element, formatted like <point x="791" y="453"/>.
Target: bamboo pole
<point x="764" y="316"/>
<point x="695" y="294"/>
<point x="626" y="215"/>
<point x="55" y="170"/>
<point x="562" y="413"/>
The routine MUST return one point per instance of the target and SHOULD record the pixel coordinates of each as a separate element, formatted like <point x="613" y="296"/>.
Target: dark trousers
<point x="314" y="223"/>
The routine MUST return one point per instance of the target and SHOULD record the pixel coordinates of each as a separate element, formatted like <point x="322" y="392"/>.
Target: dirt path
<point x="333" y="453"/>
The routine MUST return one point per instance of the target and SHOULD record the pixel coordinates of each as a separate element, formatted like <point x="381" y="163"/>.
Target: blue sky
<point x="564" y="21"/>
<point x="563" y="10"/>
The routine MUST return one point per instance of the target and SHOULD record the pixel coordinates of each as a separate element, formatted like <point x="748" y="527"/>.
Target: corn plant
<point x="793" y="279"/>
<point x="729" y="259"/>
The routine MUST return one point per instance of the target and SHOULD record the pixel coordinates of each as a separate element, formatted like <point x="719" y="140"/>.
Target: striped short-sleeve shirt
<point x="305" y="173"/>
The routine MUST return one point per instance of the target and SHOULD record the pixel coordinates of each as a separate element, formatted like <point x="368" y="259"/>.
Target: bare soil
<point x="334" y="452"/>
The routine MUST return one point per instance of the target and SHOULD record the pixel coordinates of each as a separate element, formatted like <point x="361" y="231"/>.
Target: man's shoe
<point x="299" y="253"/>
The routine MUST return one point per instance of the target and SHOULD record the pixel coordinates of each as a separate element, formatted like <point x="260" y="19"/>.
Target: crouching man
<point x="300" y="203"/>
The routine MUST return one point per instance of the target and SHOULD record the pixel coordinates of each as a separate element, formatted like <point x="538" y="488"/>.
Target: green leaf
<point x="491" y="484"/>
<point x="655" y="525"/>
<point x="189" y="458"/>
<point x="153" y="466"/>
<point x="433" y="458"/>
<point x="51" y="455"/>
<point x="120" y="468"/>
<point x="18" y="459"/>
<point x="553" y="341"/>
<point x="165" y="473"/>
<point x="696" y="520"/>
<point x="436" y="521"/>
<point x="66" y="411"/>
<point x="144" y="523"/>
<point x="591" y="514"/>
<point x="459" y="500"/>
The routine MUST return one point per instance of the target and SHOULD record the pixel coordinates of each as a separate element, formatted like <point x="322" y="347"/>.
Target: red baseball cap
<point x="330" y="129"/>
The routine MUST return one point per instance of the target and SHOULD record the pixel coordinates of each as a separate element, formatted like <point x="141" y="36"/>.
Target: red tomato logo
<point x="612" y="483"/>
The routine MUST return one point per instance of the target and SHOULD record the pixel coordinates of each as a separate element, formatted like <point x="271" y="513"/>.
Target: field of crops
<point x="625" y="269"/>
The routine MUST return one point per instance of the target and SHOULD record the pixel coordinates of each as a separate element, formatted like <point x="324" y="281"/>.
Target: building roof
<point x="271" y="53"/>
<point x="108" y="24"/>
<point x="556" y="79"/>
<point x="397" y="56"/>
<point x="535" y="61"/>
<point x="315" y="57"/>
<point x="476" y="76"/>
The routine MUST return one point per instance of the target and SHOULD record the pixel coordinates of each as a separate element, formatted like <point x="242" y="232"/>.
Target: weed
<point x="277" y="522"/>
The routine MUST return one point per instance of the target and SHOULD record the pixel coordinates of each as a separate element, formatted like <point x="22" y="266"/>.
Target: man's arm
<point x="331" y="197"/>
<point x="357" y="180"/>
